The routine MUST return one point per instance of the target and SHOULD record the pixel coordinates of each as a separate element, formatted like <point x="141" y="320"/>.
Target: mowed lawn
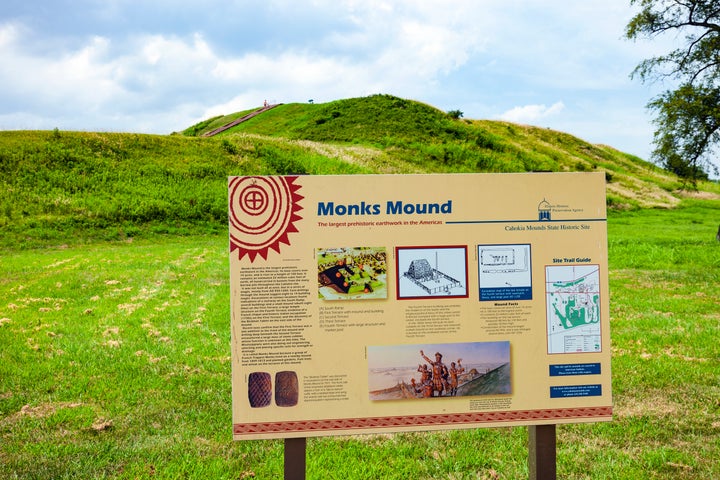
<point x="115" y="363"/>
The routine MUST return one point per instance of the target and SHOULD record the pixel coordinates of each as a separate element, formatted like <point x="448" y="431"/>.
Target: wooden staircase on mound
<point x="240" y="120"/>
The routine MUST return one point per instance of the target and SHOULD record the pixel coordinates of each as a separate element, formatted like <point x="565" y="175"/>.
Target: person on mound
<point x="439" y="373"/>
<point x="454" y="371"/>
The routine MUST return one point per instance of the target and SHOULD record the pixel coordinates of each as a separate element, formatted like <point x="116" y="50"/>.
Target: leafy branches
<point x="688" y="117"/>
<point x="688" y="129"/>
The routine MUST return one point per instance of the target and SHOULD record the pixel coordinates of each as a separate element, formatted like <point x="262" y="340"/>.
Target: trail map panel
<point x="384" y="303"/>
<point x="573" y="301"/>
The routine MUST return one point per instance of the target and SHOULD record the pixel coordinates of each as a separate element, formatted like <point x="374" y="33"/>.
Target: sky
<point x="160" y="66"/>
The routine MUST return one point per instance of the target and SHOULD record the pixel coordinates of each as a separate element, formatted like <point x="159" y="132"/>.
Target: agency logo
<point x="544" y="210"/>
<point x="547" y="210"/>
<point x="262" y="212"/>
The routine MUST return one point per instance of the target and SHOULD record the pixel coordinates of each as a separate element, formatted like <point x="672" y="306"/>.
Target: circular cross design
<point x="254" y="201"/>
<point x="262" y="212"/>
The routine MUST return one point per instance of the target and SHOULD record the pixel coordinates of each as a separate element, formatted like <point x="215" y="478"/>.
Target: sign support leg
<point x="295" y="458"/>
<point x="542" y="452"/>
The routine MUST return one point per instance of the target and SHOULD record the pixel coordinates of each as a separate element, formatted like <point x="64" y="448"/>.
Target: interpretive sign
<point x="385" y="303"/>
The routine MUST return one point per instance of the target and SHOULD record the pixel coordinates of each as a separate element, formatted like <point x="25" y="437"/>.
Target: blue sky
<point x="161" y="66"/>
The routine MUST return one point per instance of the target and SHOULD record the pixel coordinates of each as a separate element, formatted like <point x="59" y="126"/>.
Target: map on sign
<point x="573" y="308"/>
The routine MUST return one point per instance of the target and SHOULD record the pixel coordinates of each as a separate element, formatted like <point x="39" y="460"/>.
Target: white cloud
<point x="78" y="79"/>
<point x="532" y="113"/>
<point x="8" y="34"/>
<point x="123" y="67"/>
<point x="405" y="40"/>
<point x="147" y="73"/>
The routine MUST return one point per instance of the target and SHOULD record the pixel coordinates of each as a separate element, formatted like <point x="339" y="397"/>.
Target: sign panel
<point x="385" y="303"/>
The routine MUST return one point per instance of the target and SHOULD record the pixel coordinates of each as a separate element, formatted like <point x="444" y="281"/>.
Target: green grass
<point x="420" y="138"/>
<point x="115" y="363"/>
<point x="114" y="300"/>
<point x="61" y="188"/>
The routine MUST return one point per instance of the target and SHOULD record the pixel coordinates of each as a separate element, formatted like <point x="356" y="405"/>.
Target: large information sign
<point x="367" y="304"/>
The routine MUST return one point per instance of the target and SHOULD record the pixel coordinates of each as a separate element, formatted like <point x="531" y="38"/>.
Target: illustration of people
<point x="426" y="383"/>
<point x="454" y="371"/>
<point x="428" y="390"/>
<point x="414" y="387"/>
<point x="439" y="374"/>
<point x="425" y="374"/>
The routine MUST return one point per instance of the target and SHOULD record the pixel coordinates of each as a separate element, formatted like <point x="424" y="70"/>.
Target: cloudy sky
<point x="159" y="66"/>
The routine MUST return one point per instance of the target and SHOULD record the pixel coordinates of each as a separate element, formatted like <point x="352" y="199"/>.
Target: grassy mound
<point x="73" y="187"/>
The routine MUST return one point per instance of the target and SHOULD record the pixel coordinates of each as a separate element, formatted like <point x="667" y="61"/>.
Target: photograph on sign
<point x="260" y="389"/>
<point x="352" y="273"/>
<point x="454" y="369"/>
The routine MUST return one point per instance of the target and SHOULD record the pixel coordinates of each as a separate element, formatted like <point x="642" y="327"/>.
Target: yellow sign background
<point x="306" y="354"/>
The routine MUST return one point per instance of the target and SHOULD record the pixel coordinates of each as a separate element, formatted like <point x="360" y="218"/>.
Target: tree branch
<point x="704" y="68"/>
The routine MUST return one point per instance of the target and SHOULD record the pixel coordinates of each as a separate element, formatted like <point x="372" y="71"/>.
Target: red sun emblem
<point x="263" y="211"/>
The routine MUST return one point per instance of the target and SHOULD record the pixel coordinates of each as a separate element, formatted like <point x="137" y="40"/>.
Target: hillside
<point x="69" y="187"/>
<point x="394" y="135"/>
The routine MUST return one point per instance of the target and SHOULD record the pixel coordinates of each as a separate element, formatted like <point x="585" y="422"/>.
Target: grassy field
<point x="114" y="300"/>
<point x="115" y="363"/>
<point x="67" y="187"/>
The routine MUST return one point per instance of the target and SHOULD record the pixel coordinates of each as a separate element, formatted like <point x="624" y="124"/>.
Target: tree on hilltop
<point x="687" y="119"/>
